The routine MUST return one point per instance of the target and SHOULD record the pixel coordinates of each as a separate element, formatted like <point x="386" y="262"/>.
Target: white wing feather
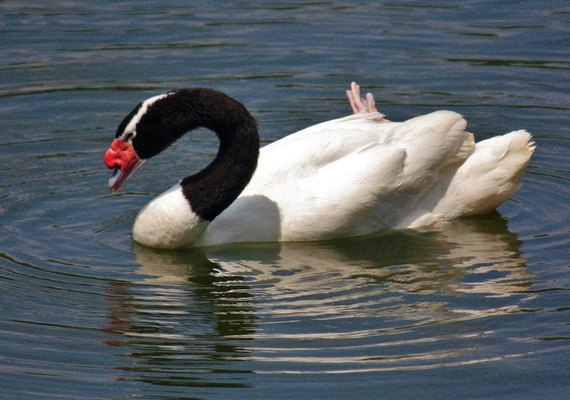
<point x="348" y="176"/>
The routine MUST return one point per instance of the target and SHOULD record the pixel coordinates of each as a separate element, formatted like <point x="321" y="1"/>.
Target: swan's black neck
<point x="213" y="189"/>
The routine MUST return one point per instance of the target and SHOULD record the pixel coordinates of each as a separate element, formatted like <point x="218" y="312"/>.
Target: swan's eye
<point x="129" y="136"/>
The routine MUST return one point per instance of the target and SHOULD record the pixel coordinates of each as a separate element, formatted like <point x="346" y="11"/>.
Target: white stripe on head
<point x="130" y="129"/>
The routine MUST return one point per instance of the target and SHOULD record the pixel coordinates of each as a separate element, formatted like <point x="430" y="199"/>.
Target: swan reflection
<point x="203" y="311"/>
<point x="478" y="255"/>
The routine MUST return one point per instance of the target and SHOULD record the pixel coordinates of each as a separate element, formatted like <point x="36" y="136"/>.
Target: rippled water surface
<point x="478" y="308"/>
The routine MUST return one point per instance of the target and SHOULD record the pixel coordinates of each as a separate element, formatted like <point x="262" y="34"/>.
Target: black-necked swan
<point x="346" y="177"/>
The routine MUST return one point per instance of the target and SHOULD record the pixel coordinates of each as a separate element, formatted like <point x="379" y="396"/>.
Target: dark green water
<point x="476" y="309"/>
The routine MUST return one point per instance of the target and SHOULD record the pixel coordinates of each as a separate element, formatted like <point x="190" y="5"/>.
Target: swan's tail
<point x="491" y="175"/>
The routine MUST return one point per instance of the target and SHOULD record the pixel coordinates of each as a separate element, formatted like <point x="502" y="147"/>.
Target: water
<point x="476" y="309"/>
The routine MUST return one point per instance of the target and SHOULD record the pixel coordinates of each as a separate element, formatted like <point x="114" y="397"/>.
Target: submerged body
<point x="347" y="177"/>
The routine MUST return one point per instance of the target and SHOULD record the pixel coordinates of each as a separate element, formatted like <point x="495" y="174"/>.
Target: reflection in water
<point x="484" y="247"/>
<point x="183" y="328"/>
<point x="401" y="300"/>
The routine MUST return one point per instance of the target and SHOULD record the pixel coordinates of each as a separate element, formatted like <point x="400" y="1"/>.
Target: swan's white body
<point x="352" y="176"/>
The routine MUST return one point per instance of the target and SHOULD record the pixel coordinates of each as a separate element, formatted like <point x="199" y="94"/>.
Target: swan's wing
<point x="338" y="198"/>
<point x="329" y="202"/>
<point x="349" y="176"/>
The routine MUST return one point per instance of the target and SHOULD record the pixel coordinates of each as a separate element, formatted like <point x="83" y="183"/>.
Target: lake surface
<point x="478" y="308"/>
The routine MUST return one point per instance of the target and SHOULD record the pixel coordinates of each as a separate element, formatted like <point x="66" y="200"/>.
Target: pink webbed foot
<point x="362" y="104"/>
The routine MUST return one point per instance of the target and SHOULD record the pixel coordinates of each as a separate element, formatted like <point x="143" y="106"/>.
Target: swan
<point x="346" y="177"/>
